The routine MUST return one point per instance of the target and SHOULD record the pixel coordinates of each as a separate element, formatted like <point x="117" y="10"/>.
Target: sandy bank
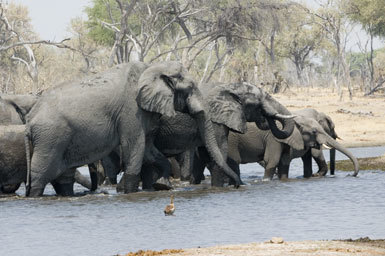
<point x="360" y="122"/>
<point x="360" y="247"/>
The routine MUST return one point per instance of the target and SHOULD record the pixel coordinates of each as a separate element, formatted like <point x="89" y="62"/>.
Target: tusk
<point x="326" y="146"/>
<point x="284" y="116"/>
<point x="339" y="138"/>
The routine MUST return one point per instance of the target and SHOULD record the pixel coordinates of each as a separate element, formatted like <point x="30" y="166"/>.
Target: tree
<point x="370" y="14"/>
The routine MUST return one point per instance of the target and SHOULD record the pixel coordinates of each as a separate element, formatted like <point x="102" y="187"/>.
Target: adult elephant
<point x="329" y="127"/>
<point x="231" y="106"/>
<point x="260" y="146"/>
<point x="82" y="122"/>
<point x="13" y="166"/>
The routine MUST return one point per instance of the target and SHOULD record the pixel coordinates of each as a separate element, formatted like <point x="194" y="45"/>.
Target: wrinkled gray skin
<point x="329" y="127"/>
<point x="231" y="106"/>
<point x="69" y="128"/>
<point x="13" y="166"/>
<point x="260" y="146"/>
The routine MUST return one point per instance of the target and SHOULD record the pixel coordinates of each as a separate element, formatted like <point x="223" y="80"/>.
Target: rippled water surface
<point x="107" y="224"/>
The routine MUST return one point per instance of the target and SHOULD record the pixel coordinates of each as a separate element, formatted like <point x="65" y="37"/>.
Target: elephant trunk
<point x="334" y="144"/>
<point x="208" y="135"/>
<point x="273" y="111"/>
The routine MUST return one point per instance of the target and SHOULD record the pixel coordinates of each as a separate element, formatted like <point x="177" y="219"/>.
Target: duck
<point x="170" y="208"/>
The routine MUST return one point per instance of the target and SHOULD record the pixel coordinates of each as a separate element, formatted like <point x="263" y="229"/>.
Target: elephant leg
<point x="217" y="175"/>
<point x="111" y="166"/>
<point x="93" y="170"/>
<point x="321" y="162"/>
<point x="156" y="158"/>
<point x="46" y="165"/>
<point x="307" y="165"/>
<point x="175" y="167"/>
<point x="332" y="161"/>
<point x="284" y="165"/>
<point x="271" y="159"/>
<point x="186" y="164"/>
<point x="64" y="185"/>
<point x="200" y="161"/>
<point x="82" y="180"/>
<point x="235" y="166"/>
<point x="148" y="176"/>
<point x="132" y="159"/>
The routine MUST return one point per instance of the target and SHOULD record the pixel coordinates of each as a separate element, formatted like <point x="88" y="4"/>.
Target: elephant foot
<point x="128" y="184"/>
<point x="63" y="189"/>
<point x="162" y="184"/>
<point x="34" y="191"/>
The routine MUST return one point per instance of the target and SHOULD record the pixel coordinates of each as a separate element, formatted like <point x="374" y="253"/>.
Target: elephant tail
<point x="28" y="143"/>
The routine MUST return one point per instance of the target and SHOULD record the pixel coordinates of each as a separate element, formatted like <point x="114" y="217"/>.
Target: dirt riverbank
<point x="359" y="247"/>
<point x="360" y="122"/>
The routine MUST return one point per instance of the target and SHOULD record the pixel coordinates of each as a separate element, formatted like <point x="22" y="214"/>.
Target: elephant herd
<point x="134" y="117"/>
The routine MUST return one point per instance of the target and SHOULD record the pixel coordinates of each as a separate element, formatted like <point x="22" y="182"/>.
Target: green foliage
<point x="370" y="14"/>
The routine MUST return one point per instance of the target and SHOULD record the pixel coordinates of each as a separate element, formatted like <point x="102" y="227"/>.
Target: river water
<point x="107" y="224"/>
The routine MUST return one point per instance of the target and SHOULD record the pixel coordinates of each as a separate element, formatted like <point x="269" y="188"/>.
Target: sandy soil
<point x="360" y="122"/>
<point x="361" y="247"/>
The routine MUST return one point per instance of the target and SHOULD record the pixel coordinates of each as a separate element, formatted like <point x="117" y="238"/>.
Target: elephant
<point x="81" y="122"/>
<point x="329" y="127"/>
<point x="13" y="109"/>
<point x="260" y="146"/>
<point x="13" y="165"/>
<point x="231" y="106"/>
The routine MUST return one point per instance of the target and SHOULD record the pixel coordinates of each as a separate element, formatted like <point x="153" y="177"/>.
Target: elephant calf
<point x="13" y="164"/>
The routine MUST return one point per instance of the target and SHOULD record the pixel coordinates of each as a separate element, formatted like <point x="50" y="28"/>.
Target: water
<point x="300" y="209"/>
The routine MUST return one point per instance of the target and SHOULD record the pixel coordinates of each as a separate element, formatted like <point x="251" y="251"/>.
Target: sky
<point x="51" y="18"/>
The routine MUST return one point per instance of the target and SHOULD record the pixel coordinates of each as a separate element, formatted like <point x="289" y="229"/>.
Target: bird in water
<point x="170" y="208"/>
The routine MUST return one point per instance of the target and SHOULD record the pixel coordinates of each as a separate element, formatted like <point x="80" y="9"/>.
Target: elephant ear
<point x="227" y="108"/>
<point x="157" y="88"/>
<point x="295" y="140"/>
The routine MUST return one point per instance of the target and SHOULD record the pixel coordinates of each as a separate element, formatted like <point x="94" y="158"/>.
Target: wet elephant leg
<point x="332" y="161"/>
<point x="93" y="170"/>
<point x="321" y="162"/>
<point x="133" y="152"/>
<point x="149" y="175"/>
<point x="235" y="166"/>
<point x="307" y="164"/>
<point x="271" y="160"/>
<point x="175" y="167"/>
<point x="201" y="159"/>
<point x="284" y="165"/>
<point x="187" y="164"/>
<point x="64" y="184"/>
<point x="112" y="167"/>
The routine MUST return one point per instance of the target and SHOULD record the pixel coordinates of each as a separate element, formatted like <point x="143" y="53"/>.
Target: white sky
<point x="51" y="18"/>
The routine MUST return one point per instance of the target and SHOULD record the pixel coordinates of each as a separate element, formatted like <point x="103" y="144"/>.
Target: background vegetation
<point x="277" y="44"/>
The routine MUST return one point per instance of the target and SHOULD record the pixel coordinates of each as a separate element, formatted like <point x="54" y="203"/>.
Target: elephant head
<point x="167" y="87"/>
<point x="314" y="136"/>
<point x="235" y="104"/>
